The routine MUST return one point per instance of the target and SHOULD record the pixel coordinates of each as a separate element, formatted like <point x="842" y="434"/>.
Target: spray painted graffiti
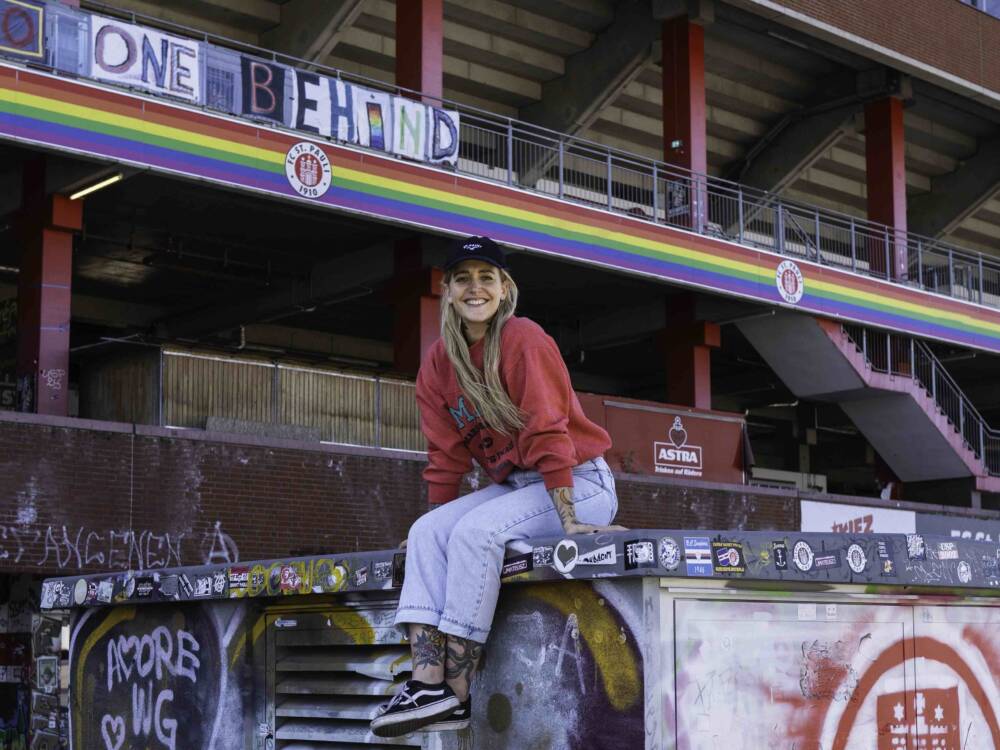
<point x="160" y="678"/>
<point x="572" y="674"/>
<point x="837" y="677"/>
<point x="82" y="547"/>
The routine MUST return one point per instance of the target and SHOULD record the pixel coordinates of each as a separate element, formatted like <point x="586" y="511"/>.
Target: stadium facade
<point x="763" y="232"/>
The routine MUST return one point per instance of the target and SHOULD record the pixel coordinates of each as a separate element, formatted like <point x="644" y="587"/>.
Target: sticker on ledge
<point x="727" y="557"/>
<point x="780" y="552"/>
<point x="398" y="569"/>
<point x="788" y="279"/>
<point x="857" y="560"/>
<point x="803" y="556"/>
<point x="964" y="572"/>
<point x="516" y="565"/>
<point x="542" y="556"/>
<point x="565" y="556"/>
<point x="605" y="555"/>
<point x="698" y="556"/>
<point x="830" y="560"/>
<point x="640" y="553"/>
<point x="382" y="570"/>
<point x="915" y="547"/>
<point x="947" y="551"/>
<point x="670" y="553"/>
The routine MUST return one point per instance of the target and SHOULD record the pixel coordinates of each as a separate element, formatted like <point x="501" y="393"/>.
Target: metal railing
<point x="528" y="157"/>
<point x="899" y="355"/>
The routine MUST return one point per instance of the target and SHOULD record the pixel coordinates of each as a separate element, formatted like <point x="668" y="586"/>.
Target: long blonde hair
<point x="484" y="388"/>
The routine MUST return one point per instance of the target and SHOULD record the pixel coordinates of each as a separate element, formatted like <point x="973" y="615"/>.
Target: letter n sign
<point x="22" y="29"/>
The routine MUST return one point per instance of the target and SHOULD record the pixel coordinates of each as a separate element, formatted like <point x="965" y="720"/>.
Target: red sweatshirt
<point x="556" y="435"/>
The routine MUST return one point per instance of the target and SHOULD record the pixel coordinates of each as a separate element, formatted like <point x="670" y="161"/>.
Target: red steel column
<point x="416" y="306"/>
<point x="45" y="229"/>
<point x="886" y="168"/>
<point x="419" y="66"/>
<point x="419" y="45"/>
<point x="684" y="141"/>
<point x="688" y="345"/>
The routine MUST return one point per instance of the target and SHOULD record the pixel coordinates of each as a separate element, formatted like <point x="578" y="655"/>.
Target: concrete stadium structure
<point x="763" y="232"/>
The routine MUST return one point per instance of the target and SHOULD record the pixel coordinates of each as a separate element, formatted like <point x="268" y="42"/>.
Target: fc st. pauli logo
<point x="308" y="170"/>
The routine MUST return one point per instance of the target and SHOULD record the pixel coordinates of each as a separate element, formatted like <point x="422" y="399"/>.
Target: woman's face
<point x="475" y="290"/>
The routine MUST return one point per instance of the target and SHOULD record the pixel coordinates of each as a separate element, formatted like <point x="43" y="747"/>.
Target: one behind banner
<point x="145" y="58"/>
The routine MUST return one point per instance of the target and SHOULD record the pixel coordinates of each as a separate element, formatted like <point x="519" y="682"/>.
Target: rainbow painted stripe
<point x="57" y="113"/>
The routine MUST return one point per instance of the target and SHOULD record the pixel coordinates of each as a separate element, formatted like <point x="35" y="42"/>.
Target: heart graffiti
<point x="113" y="732"/>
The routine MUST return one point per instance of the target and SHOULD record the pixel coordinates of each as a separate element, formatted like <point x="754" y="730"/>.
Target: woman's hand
<point x="562" y="499"/>
<point x="576" y="527"/>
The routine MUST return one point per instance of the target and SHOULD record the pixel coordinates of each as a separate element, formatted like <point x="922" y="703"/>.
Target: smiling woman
<point x="494" y="389"/>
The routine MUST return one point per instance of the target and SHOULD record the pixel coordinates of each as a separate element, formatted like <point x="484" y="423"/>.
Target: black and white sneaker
<point x="416" y="705"/>
<point x="460" y="718"/>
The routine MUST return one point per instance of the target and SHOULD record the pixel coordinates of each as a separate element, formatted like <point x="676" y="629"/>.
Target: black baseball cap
<point x="475" y="248"/>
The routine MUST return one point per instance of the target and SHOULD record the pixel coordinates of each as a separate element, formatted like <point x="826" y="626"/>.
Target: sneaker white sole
<point x="403" y="722"/>
<point x="446" y="726"/>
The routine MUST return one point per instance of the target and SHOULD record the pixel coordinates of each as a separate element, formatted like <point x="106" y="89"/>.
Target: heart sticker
<point x="565" y="557"/>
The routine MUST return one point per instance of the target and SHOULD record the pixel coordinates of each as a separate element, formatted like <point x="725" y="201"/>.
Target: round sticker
<point x="857" y="560"/>
<point x="803" y="556"/>
<point x="964" y="572"/>
<point x="789" y="281"/>
<point x="80" y="592"/>
<point x="670" y="553"/>
<point x="565" y="556"/>
<point x="308" y="169"/>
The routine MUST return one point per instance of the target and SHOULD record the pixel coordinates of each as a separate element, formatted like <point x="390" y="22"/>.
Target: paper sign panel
<point x="132" y="55"/>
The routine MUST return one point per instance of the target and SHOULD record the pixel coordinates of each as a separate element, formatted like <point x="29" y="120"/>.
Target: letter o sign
<point x="103" y="44"/>
<point x="18" y="27"/>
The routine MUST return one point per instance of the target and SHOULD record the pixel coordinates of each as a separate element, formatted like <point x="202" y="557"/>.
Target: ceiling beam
<point x="593" y="79"/>
<point x="310" y="29"/>
<point x="956" y="196"/>
<point x="800" y="138"/>
<point x="328" y="282"/>
<point x="792" y="147"/>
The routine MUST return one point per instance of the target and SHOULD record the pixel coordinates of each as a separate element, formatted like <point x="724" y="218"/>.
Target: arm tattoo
<point x="562" y="498"/>
<point x="428" y="648"/>
<point x="463" y="656"/>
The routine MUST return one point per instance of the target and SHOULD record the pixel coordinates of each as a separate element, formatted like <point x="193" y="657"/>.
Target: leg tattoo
<point x="463" y="658"/>
<point x="427" y="645"/>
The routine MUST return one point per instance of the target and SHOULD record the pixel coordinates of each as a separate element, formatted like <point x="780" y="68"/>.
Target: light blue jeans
<point x="455" y="552"/>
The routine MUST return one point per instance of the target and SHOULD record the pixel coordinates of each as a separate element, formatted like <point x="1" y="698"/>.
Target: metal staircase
<point x="898" y="394"/>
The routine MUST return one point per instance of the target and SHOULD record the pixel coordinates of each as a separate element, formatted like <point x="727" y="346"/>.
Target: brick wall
<point x="944" y="34"/>
<point x="96" y="495"/>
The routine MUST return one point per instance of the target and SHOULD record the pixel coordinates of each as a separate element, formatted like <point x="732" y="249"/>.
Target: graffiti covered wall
<point x="165" y="677"/>
<point x="835" y="676"/>
<point x="563" y="670"/>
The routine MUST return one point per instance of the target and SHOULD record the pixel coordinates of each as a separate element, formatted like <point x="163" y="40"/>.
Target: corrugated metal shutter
<point x="121" y="388"/>
<point x="328" y="671"/>
<point x="400" y="419"/>
<point x="68" y="39"/>
<point x="196" y="387"/>
<point x="341" y="406"/>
